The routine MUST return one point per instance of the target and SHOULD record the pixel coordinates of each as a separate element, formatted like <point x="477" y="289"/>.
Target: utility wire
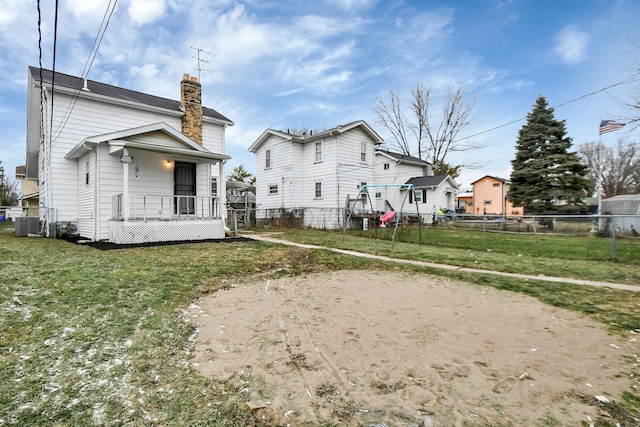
<point x="40" y="73"/>
<point x="53" y="75"/>
<point x="630" y="79"/>
<point x="106" y="18"/>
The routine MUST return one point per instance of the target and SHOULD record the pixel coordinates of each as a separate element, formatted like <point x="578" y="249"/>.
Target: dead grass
<point x="93" y="337"/>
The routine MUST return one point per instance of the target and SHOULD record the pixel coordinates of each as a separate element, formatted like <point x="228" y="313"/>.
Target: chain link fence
<point x="582" y="236"/>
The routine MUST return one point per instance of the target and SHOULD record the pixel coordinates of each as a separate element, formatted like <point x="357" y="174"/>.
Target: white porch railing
<point x="142" y="207"/>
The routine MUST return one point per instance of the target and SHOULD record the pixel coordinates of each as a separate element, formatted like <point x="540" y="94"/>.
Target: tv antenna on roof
<point x="200" y="61"/>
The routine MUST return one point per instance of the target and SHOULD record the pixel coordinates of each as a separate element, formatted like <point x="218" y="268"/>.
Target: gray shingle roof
<point x="427" y="181"/>
<point x="402" y="157"/>
<point x="628" y="204"/>
<point x="76" y="83"/>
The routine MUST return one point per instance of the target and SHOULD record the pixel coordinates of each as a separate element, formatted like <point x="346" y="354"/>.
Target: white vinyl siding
<point x="281" y="173"/>
<point x="86" y="195"/>
<point x="296" y="171"/>
<point x="89" y="118"/>
<point x="395" y="173"/>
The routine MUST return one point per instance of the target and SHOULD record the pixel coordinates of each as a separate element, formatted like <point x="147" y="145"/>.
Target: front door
<point x="184" y="177"/>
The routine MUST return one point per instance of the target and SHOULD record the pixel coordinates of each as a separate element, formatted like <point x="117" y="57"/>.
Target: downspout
<point x="46" y="152"/>
<point x="335" y="151"/>
<point x="282" y="205"/>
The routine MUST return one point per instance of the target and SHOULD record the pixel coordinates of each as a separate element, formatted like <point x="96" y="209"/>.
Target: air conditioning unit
<point x="26" y="225"/>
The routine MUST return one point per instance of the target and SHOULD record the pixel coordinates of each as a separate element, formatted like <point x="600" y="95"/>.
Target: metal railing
<point x="143" y="207"/>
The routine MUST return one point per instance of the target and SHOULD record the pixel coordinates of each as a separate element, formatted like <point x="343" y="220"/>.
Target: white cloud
<point x="11" y="11"/>
<point x="327" y="72"/>
<point x="571" y="44"/>
<point x="351" y="5"/>
<point x="83" y="9"/>
<point x="144" y="12"/>
<point x="146" y="71"/>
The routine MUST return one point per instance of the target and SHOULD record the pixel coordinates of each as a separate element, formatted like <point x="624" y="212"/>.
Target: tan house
<point x="490" y="197"/>
<point x="465" y="203"/>
<point x="29" y="199"/>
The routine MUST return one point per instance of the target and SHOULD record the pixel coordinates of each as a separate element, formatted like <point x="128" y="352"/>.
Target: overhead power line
<point x="106" y="18"/>
<point x="629" y="79"/>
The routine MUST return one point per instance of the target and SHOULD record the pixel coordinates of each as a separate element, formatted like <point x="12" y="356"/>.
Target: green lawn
<point x="507" y="252"/>
<point x="567" y="245"/>
<point x="92" y="337"/>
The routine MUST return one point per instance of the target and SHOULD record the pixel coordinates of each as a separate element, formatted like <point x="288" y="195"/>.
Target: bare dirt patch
<point x="382" y="348"/>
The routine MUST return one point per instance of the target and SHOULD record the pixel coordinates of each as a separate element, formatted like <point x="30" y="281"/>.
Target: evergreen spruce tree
<point x="547" y="178"/>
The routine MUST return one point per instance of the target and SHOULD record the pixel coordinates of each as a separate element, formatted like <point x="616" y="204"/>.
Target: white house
<point x="122" y="166"/>
<point x="433" y="194"/>
<point x="393" y="169"/>
<point x="315" y="171"/>
<point x="627" y="210"/>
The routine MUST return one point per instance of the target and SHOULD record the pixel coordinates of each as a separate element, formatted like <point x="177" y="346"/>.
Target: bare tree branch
<point x="433" y="137"/>
<point x="392" y="118"/>
<point x="617" y="169"/>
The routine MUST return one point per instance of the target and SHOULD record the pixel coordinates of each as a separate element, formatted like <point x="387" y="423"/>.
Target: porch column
<point x="125" y="190"/>
<point x="222" y="196"/>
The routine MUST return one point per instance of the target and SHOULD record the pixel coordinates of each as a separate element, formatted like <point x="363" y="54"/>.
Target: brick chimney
<point x="191" y="105"/>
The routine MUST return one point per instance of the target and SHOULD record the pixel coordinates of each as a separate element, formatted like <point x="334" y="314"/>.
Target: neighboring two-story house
<point x="314" y="171"/>
<point x="122" y="166"/>
<point x="393" y="169"/>
<point x="491" y="197"/>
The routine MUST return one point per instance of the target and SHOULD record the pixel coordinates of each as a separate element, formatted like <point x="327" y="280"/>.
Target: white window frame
<point x="267" y="159"/>
<point x="363" y="152"/>
<point x="214" y="186"/>
<point x="317" y="190"/>
<point x="386" y="166"/>
<point x="318" y="152"/>
<point x="273" y="190"/>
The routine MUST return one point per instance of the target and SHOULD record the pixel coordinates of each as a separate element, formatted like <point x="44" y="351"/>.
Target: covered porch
<point x="149" y="184"/>
<point x="147" y="218"/>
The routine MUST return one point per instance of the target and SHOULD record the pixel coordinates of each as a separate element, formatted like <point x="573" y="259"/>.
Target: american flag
<point x="609" y="126"/>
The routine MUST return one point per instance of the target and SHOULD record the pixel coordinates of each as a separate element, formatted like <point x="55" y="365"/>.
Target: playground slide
<point x="386" y="218"/>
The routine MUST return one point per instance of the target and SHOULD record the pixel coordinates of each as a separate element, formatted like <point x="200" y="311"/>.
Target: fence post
<point x="535" y="236"/>
<point x="613" y="239"/>
<point x="484" y="232"/>
<point x="234" y="217"/>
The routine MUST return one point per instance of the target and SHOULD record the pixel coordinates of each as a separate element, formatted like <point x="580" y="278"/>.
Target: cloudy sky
<point x="292" y="63"/>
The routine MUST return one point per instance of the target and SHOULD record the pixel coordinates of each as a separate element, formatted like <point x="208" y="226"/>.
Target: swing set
<point x="388" y="216"/>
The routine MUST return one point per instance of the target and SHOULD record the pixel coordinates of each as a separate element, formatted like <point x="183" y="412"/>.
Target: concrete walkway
<point x="634" y="288"/>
